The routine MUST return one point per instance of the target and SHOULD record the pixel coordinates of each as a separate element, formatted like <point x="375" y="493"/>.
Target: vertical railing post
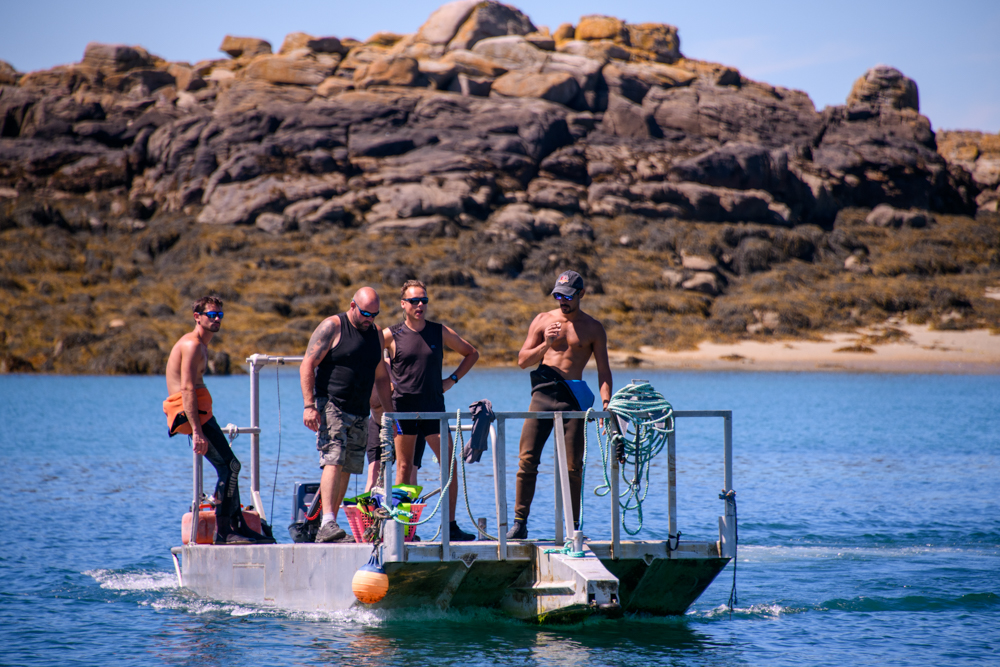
<point x="614" y="426"/>
<point x="562" y="474"/>
<point x="558" y="504"/>
<point x="672" y="483"/>
<point x="196" y="497"/>
<point x="255" y="437"/>
<point x="500" y="486"/>
<point x="727" y="523"/>
<point x="446" y="462"/>
<point x="395" y="537"/>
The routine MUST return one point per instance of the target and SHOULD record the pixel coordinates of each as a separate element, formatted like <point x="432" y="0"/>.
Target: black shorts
<point x="374" y="448"/>
<point x="418" y="427"/>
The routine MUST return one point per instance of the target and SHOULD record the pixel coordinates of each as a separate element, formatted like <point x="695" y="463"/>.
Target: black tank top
<point x="346" y="374"/>
<point x="416" y="366"/>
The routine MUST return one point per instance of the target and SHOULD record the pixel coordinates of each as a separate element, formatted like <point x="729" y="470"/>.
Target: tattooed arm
<point x="325" y="337"/>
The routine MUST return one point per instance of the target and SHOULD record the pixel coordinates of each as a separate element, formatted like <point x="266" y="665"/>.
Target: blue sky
<point x="951" y="49"/>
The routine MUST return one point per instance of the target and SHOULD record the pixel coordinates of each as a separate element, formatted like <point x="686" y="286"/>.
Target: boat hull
<point x="535" y="582"/>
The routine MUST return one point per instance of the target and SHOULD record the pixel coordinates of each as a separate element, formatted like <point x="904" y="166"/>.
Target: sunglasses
<point x="564" y="297"/>
<point x="417" y="299"/>
<point x="214" y="314"/>
<point x="365" y="313"/>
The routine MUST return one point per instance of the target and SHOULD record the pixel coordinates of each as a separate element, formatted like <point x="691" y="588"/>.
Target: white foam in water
<point x="133" y="581"/>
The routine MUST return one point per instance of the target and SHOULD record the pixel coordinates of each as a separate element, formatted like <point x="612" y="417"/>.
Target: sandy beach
<point x="892" y="348"/>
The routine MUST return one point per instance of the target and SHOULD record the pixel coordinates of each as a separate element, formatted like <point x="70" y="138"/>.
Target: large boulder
<point x="884" y="86"/>
<point x="884" y="215"/>
<point x="736" y="165"/>
<point x="473" y="64"/>
<point x="490" y="19"/>
<point x="513" y="51"/>
<point x="759" y="114"/>
<point x="559" y="87"/>
<point x="8" y="75"/>
<point x="116" y="57"/>
<point x="633" y="81"/>
<point x="287" y="70"/>
<point x="441" y="26"/>
<point x="241" y="203"/>
<point x="657" y="39"/>
<point x="602" y="27"/>
<point x="411" y="200"/>
<point x="390" y="71"/>
<point x="245" y="47"/>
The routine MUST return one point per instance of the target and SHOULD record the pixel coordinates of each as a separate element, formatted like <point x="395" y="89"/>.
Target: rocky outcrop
<point x="482" y="125"/>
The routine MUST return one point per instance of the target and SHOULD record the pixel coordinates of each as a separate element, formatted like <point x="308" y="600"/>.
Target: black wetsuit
<point x="549" y="393"/>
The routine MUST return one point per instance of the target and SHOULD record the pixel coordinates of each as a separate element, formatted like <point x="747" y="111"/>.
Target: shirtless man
<point x="341" y="365"/>
<point x="561" y="342"/>
<point x="189" y="410"/>
<point x="416" y="350"/>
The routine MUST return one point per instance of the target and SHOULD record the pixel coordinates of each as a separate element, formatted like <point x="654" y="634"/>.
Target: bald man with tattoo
<point x="341" y="365"/>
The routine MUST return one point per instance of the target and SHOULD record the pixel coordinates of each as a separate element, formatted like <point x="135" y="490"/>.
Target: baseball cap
<point x="568" y="283"/>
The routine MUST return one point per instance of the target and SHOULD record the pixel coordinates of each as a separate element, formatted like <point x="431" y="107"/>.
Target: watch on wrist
<point x="453" y="378"/>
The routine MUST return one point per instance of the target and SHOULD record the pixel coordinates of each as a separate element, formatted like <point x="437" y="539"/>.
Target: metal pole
<point x="728" y="419"/>
<point x="562" y="474"/>
<point x="616" y="541"/>
<point x="393" y="534"/>
<point x="500" y="485"/>
<point x="255" y="437"/>
<point x="196" y="497"/>
<point x="672" y="483"/>
<point x="445" y="491"/>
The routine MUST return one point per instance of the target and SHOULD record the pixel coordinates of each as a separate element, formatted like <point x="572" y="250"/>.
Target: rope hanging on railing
<point x="647" y="420"/>
<point x="730" y="498"/>
<point x="396" y="512"/>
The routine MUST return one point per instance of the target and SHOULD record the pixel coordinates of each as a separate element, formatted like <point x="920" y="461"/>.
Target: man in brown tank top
<point x="416" y="349"/>
<point x="561" y="342"/>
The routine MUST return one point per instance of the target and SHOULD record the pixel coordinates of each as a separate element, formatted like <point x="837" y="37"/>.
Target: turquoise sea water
<point x="869" y="530"/>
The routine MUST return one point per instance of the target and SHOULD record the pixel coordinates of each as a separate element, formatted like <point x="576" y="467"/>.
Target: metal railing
<point x="564" y="528"/>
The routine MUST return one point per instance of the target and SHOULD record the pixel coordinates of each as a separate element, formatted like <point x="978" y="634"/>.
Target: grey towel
<point x="482" y="417"/>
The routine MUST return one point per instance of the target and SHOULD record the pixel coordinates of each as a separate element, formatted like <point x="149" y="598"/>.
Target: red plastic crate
<point x="359" y="522"/>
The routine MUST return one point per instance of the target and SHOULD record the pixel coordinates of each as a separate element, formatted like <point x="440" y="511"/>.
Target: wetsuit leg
<point x="227" y="466"/>
<point x="533" y="436"/>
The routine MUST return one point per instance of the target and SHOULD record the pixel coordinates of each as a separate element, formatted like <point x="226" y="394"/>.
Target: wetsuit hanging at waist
<point x="177" y="420"/>
<point x="550" y="382"/>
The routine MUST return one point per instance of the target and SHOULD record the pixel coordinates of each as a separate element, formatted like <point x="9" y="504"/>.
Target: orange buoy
<point x="370" y="583"/>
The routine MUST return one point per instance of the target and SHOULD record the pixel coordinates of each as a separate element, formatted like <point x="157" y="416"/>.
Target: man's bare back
<point x="188" y="349"/>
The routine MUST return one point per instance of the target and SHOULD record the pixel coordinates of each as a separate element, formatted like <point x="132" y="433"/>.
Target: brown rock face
<point x="399" y="71"/>
<point x="559" y="87"/>
<point x="116" y="57"/>
<point x="602" y="27"/>
<point x="884" y="87"/>
<point x="286" y="70"/>
<point x="244" y="46"/>
<point x="656" y="38"/>
<point x="8" y="75"/>
<point x="490" y="19"/>
<point x="410" y="157"/>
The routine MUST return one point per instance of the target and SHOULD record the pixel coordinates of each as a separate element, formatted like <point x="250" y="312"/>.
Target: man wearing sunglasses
<point x="416" y="352"/>
<point x="342" y="364"/>
<point x="189" y="411"/>
<point x="561" y="342"/>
